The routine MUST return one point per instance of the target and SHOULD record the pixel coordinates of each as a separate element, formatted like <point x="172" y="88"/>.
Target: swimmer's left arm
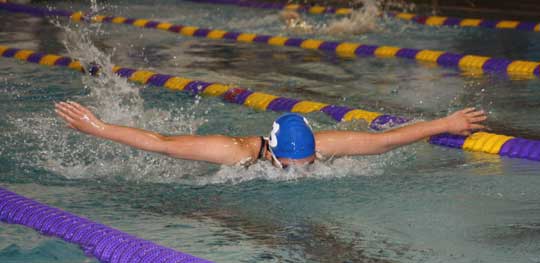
<point x="339" y="143"/>
<point x="211" y="148"/>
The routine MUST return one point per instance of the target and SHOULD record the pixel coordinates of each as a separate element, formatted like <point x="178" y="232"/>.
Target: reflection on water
<point x="421" y="203"/>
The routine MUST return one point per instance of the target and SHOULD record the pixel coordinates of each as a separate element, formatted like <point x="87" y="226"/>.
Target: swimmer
<point x="294" y="22"/>
<point x="291" y="141"/>
<point x="359" y="22"/>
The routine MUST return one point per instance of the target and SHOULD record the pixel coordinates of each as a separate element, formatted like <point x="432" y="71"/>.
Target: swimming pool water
<point x="420" y="203"/>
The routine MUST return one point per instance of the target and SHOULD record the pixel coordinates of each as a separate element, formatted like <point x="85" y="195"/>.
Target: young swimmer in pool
<point x="359" y="22"/>
<point x="291" y="141"/>
<point x="294" y="22"/>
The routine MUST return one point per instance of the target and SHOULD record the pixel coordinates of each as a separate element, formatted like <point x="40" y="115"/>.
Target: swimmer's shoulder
<point x="251" y="146"/>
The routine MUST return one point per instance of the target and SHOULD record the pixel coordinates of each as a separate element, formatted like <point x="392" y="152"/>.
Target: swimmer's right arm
<point x="212" y="148"/>
<point x="339" y="143"/>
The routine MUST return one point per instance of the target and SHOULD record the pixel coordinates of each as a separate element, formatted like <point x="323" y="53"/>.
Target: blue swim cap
<point x="291" y="137"/>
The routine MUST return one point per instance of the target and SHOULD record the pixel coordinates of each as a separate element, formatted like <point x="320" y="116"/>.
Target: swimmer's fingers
<point x="85" y="112"/>
<point x="478" y="127"/>
<point x="478" y="119"/>
<point x="78" y="113"/>
<point x="66" y="118"/>
<point x="62" y="107"/>
<point x="465" y="133"/>
<point x="80" y="107"/>
<point x="73" y="109"/>
<point x="465" y="121"/>
<point x="476" y="113"/>
<point x="67" y="111"/>
<point x="63" y="115"/>
<point x="71" y="126"/>
<point x="468" y="110"/>
<point x="473" y="127"/>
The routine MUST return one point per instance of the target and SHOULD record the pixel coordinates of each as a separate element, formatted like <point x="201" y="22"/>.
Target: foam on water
<point x="363" y="20"/>
<point x="94" y="7"/>
<point x="323" y="169"/>
<point x="370" y="18"/>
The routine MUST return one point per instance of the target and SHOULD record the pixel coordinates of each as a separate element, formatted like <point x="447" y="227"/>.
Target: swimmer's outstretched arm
<point x="339" y="143"/>
<point x="213" y="148"/>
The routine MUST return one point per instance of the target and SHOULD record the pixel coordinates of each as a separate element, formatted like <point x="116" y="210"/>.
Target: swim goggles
<point x="275" y="160"/>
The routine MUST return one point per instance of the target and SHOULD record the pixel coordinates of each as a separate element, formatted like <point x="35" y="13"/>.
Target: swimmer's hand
<point x="79" y="118"/>
<point x="465" y="121"/>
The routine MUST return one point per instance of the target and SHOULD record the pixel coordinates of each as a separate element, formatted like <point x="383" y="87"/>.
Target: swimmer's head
<point x="289" y="16"/>
<point x="292" y="140"/>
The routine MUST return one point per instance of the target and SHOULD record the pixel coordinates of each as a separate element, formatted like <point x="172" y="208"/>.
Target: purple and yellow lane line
<point x="465" y="62"/>
<point x="416" y="18"/>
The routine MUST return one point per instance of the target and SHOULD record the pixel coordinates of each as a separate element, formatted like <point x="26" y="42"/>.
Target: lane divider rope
<point x="100" y="241"/>
<point x="420" y="19"/>
<point x="345" y="49"/>
<point x="478" y="142"/>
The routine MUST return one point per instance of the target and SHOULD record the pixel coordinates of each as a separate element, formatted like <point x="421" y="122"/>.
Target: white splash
<point x="369" y="18"/>
<point x="334" y="168"/>
<point x="363" y="20"/>
<point x="73" y="155"/>
<point x="94" y="6"/>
